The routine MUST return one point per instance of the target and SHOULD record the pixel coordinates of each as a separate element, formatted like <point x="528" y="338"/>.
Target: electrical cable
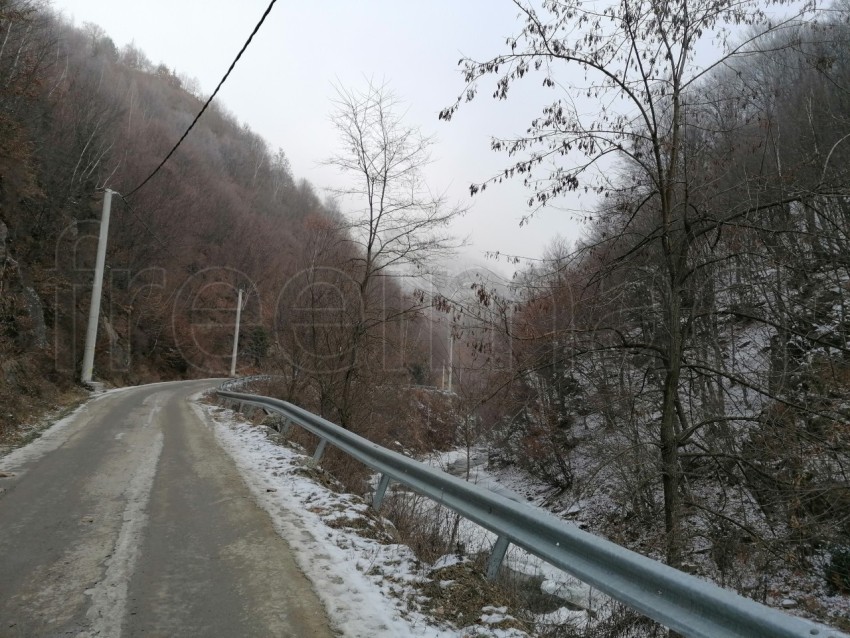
<point x="204" y="108"/>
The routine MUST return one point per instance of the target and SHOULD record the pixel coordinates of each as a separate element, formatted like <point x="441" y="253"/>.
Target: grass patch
<point x="35" y="423"/>
<point x="461" y="595"/>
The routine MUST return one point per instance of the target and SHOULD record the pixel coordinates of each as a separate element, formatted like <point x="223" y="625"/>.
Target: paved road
<point x="129" y="520"/>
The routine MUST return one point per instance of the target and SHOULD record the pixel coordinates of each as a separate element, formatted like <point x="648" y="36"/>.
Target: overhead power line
<point x="201" y="112"/>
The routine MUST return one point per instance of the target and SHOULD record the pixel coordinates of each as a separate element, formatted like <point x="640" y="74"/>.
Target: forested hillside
<point x="77" y="116"/>
<point x="323" y="307"/>
<point x="679" y="380"/>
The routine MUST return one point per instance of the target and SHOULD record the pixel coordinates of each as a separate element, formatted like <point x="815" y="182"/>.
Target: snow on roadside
<point x="369" y="588"/>
<point x="55" y="435"/>
<point x="474" y="538"/>
<point x="50" y="439"/>
<point x="48" y="436"/>
<point x="793" y="591"/>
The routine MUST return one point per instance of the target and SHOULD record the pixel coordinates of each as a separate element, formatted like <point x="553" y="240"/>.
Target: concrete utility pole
<point x="236" y="335"/>
<point x="97" y="287"/>
<point x="451" y="358"/>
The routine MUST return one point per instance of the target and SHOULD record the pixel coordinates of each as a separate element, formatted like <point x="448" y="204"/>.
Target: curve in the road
<point x="128" y="519"/>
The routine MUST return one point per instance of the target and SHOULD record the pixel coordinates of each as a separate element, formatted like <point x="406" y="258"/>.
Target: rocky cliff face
<point x="24" y="344"/>
<point x="14" y="281"/>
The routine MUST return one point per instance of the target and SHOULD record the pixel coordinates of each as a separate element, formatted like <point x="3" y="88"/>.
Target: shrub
<point x="838" y="570"/>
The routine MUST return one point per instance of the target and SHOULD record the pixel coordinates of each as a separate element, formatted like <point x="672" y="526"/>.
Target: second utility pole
<point x="451" y="358"/>
<point x="236" y="335"/>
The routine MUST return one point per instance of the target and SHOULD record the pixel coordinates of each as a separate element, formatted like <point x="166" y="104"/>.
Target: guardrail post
<point x="285" y="427"/>
<point x="320" y="449"/>
<point x="496" y="557"/>
<point x="378" y="498"/>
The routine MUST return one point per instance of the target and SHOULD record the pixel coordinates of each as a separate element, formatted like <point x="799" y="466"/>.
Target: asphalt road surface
<point x="129" y="520"/>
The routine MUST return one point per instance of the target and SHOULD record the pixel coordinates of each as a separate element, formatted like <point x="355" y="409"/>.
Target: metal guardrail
<point x="239" y="383"/>
<point x="687" y="604"/>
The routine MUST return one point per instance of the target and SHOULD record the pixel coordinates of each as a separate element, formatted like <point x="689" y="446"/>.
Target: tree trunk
<point x="670" y="472"/>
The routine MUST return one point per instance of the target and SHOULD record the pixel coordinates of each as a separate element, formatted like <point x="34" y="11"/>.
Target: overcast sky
<point x="283" y="85"/>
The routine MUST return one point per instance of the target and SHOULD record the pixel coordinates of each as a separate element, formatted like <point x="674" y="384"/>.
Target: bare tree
<point x="399" y="226"/>
<point x="397" y="221"/>
<point x="635" y="60"/>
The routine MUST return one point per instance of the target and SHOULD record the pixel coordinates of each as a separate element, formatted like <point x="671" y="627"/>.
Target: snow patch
<point x="51" y="439"/>
<point x="367" y="587"/>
